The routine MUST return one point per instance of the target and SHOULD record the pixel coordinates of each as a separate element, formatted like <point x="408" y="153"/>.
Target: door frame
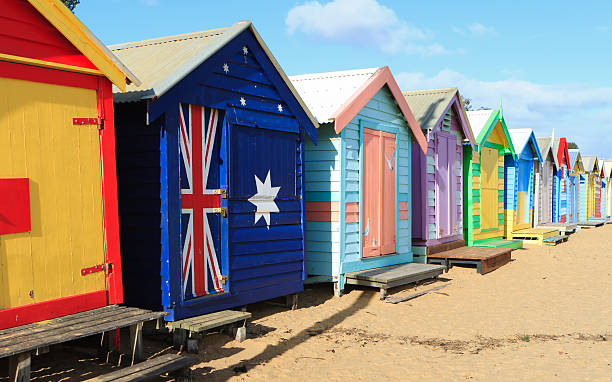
<point x="446" y="135"/>
<point x="368" y="124"/>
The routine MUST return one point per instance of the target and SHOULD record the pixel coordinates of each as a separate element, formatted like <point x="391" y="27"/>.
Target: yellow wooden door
<point x="489" y="180"/>
<point x="62" y="161"/>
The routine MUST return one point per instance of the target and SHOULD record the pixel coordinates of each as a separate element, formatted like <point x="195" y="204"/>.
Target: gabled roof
<point x="607" y="168"/>
<point x="576" y="159"/>
<point x="546" y="148"/>
<point x="560" y="149"/>
<point x="430" y="107"/>
<point x="590" y="163"/>
<point x="70" y="27"/>
<point x="484" y="121"/>
<point x="162" y="62"/>
<point x="524" y="139"/>
<point x="339" y="96"/>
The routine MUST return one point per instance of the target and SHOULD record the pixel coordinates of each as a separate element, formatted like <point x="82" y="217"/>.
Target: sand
<point x="545" y="316"/>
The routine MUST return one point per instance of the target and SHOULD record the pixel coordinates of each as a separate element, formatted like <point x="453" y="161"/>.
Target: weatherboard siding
<point x="323" y="185"/>
<point x="382" y="113"/>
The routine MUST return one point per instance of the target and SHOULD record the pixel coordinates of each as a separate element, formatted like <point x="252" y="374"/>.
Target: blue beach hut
<point x="358" y="178"/>
<point x="210" y="154"/>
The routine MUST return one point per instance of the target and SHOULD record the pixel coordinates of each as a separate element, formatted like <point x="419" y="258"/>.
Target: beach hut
<point x="210" y="154"/>
<point x="437" y="197"/>
<point x="59" y="234"/>
<point x="484" y="214"/>
<point x="544" y="182"/>
<point x="561" y="182"/>
<point x="593" y="186"/>
<point x="607" y="200"/>
<point x="358" y="178"/>
<point x="576" y="172"/>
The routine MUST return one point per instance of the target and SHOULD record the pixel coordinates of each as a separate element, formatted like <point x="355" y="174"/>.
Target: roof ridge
<point x="429" y="91"/>
<point x="168" y="39"/>
<point x="338" y="73"/>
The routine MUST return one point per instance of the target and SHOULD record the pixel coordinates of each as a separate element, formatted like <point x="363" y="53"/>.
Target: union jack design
<point x="197" y="141"/>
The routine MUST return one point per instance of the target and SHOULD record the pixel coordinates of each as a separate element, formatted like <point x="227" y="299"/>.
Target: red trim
<point x="15" y="206"/>
<point x="351" y="212"/>
<point x="563" y="152"/>
<point x="47" y="310"/>
<point x="47" y="75"/>
<point x="364" y="94"/>
<point x="109" y="192"/>
<point x="322" y="211"/>
<point x="404" y="212"/>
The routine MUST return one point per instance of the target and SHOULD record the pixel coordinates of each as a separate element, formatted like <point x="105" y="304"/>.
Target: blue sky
<point x="550" y="62"/>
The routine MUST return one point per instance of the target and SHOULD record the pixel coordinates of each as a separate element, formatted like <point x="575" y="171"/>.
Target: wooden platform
<point x="499" y="243"/>
<point x="563" y="228"/>
<point x="590" y="224"/>
<point x="486" y="259"/>
<point x="534" y="235"/>
<point x="176" y="365"/>
<point x="393" y="276"/>
<point x="20" y="341"/>
<point x="555" y="240"/>
<point x="210" y="321"/>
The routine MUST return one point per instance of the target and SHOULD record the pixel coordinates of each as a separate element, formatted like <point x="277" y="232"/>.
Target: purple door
<point x="446" y="184"/>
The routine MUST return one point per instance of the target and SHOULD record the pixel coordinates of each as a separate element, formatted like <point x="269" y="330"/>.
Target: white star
<point x="226" y="68"/>
<point x="242" y="101"/>
<point x="264" y="199"/>
<point x="245" y="50"/>
<point x="280" y="107"/>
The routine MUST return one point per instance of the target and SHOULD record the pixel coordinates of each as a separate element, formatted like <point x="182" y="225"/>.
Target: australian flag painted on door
<point x="201" y="211"/>
<point x="210" y="168"/>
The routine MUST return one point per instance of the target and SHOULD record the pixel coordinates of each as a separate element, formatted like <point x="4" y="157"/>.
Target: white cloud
<point x="603" y="29"/>
<point x="581" y="113"/>
<point x="150" y="3"/>
<point x="475" y="29"/>
<point x="363" y="23"/>
<point x="480" y="30"/>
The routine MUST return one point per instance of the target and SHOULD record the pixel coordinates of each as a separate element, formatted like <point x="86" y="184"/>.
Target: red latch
<point x="94" y="269"/>
<point x="85" y="121"/>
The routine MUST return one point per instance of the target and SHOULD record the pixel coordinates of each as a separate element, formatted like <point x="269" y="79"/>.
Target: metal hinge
<point x="221" y="192"/>
<point x="97" y="268"/>
<point x="222" y="211"/>
<point x="89" y="121"/>
<point x="223" y="280"/>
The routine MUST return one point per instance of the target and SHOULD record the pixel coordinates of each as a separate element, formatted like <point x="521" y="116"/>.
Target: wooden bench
<point x="486" y="259"/>
<point x="177" y="366"/>
<point x="20" y="342"/>
<point x="184" y="330"/>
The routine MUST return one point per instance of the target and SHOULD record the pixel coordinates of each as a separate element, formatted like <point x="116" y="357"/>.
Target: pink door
<point x="371" y="193"/>
<point x="379" y="166"/>
<point x="387" y="194"/>
<point x="446" y="184"/>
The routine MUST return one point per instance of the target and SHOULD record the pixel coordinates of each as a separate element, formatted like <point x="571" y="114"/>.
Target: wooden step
<point x="499" y="243"/>
<point x="210" y="321"/>
<point x="555" y="240"/>
<point x="486" y="259"/>
<point x="175" y="364"/>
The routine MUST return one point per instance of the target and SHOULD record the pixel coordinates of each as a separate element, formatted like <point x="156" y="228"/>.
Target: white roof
<point x="477" y="119"/>
<point x="325" y="93"/>
<point x="519" y="138"/>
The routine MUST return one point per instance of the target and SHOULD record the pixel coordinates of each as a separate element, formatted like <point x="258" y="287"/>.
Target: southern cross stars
<point x="245" y="50"/>
<point x="280" y="108"/>
<point x="264" y="199"/>
<point x="226" y="68"/>
<point x="242" y="101"/>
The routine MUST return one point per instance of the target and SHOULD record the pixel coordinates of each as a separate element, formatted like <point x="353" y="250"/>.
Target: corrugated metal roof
<point x="325" y="93"/>
<point x="588" y="161"/>
<point x="477" y="119"/>
<point x="429" y="105"/>
<point x="520" y="138"/>
<point x="161" y="62"/>
<point x="546" y="146"/>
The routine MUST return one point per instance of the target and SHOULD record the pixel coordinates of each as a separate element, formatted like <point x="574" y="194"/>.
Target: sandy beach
<point x="547" y="315"/>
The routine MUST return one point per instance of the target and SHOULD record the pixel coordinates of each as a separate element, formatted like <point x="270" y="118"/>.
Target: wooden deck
<point x="499" y="243"/>
<point x="20" y="341"/>
<point x="177" y="366"/>
<point x="563" y="228"/>
<point x="534" y="235"/>
<point x="393" y="276"/>
<point x="590" y="224"/>
<point x="486" y="259"/>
